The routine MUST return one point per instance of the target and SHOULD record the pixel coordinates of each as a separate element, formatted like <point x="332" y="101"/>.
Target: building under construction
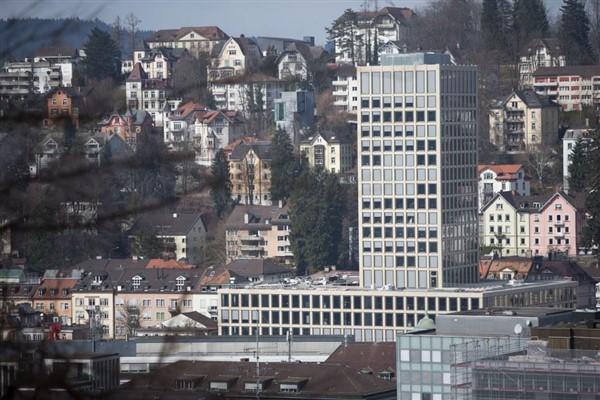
<point x="536" y="373"/>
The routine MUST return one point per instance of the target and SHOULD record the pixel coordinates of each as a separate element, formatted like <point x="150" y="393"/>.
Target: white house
<point x="538" y="53"/>
<point x="241" y="92"/>
<point x="502" y="177"/>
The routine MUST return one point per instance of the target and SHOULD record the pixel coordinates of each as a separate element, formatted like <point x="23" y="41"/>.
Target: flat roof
<point x="513" y="311"/>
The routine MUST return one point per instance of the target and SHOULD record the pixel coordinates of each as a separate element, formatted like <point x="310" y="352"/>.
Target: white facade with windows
<point x="369" y="315"/>
<point x="505" y="226"/>
<point x="417" y="155"/>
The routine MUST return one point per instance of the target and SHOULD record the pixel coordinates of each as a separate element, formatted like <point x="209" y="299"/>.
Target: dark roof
<point x="316" y="381"/>
<point x="245" y="44"/>
<point x="357" y="355"/>
<point x="532" y="99"/>
<point x="56" y="51"/>
<point x="170" y="224"/>
<point x="585" y="71"/>
<point x="577" y="200"/>
<point x="261" y="149"/>
<point x="137" y="73"/>
<point x="400" y="14"/>
<point x="258" y="215"/>
<point x="552" y="45"/>
<point x="247" y="267"/>
<point x="329" y="137"/>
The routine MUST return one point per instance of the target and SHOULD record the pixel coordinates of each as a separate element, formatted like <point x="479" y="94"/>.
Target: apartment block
<point x="417" y="162"/>
<point x="573" y="87"/>
<point x="523" y="120"/>
<point x="259" y="232"/>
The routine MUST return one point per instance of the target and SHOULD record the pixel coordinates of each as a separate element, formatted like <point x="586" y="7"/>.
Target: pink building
<point x="557" y="226"/>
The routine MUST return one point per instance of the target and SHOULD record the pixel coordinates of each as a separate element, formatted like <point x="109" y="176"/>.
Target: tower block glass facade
<point x="417" y="157"/>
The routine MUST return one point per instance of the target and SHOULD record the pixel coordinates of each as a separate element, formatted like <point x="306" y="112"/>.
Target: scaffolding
<point x="512" y="373"/>
<point x="464" y="355"/>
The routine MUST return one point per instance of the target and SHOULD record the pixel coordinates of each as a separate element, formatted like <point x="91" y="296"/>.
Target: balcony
<point x="559" y="234"/>
<point x="340" y="103"/>
<point x="499" y="234"/>
<point x="343" y="82"/>
<point x="342" y="93"/>
<point x="559" y="223"/>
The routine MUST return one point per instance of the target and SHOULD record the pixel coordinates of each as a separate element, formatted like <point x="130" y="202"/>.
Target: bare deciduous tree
<point x="132" y="22"/>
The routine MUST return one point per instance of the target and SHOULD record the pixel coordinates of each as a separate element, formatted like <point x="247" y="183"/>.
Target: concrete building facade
<point x="417" y="162"/>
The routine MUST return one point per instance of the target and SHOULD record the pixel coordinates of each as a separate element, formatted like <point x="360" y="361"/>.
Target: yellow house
<point x="250" y="173"/>
<point x="328" y="150"/>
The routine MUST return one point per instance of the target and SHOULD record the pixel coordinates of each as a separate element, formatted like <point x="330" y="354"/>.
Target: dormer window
<point x="53" y="292"/>
<point x="136" y="282"/>
<point x="179" y="283"/>
<point x="97" y="279"/>
<point x="65" y="292"/>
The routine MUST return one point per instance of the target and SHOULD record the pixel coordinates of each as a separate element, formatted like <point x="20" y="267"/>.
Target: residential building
<point x="418" y="218"/>
<point x="523" y="120"/>
<point x="53" y="297"/>
<point x="495" y="178"/>
<point x="238" y="56"/>
<point x="207" y="131"/>
<point x="48" y="150"/>
<point x="197" y="40"/>
<point x="570" y="139"/>
<point x="159" y="62"/>
<point x="300" y="60"/>
<point x="259" y="231"/>
<point x="145" y="298"/>
<point x="557" y="226"/>
<point x="93" y="301"/>
<point x="247" y="93"/>
<point x="370" y="315"/>
<point x="65" y="102"/>
<point x="17" y="288"/>
<point x="369" y="30"/>
<point x="334" y="153"/>
<point x="66" y="58"/>
<point x="250" y="173"/>
<point x="345" y="89"/>
<point x="573" y="87"/>
<point x="505" y="225"/>
<point x="294" y="113"/>
<point x="35" y="76"/>
<point x="545" y="52"/>
<point x="128" y="125"/>
<point x="151" y="95"/>
<point x="183" y="235"/>
<point x="530" y="270"/>
<point x="15" y="83"/>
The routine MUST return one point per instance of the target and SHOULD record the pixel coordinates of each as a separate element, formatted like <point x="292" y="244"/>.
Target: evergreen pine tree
<point x="575" y="29"/>
<point x="102" y="56"/>
<point x="220" y="183"/>
<point x="577" y="171"/>
<point x="282" y="165"/>
<point x="530" y="20"/>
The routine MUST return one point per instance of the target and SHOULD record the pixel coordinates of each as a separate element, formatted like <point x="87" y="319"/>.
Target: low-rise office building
<point x="367" y="314"/>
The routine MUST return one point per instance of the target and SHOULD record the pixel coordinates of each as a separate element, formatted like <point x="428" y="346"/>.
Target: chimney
<point x="587" y="122"/>
<point x="280" y="204"/>
<point x="246" y="218"/>
<point x="174" y="215"/>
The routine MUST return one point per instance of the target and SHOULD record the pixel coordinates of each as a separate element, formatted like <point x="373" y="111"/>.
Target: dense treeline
<point x="30" y="34"/>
